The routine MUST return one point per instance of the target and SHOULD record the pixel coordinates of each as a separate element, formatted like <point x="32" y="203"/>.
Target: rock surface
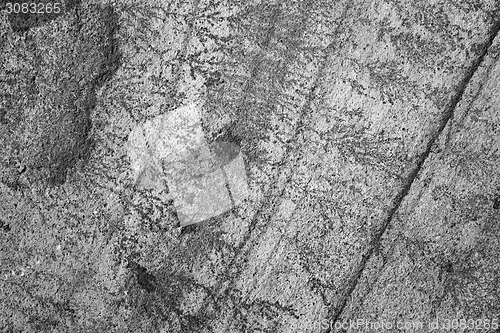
<point x="49" y="78"/>
<point x="370" y="136"/>
<point x="438" y="261"/>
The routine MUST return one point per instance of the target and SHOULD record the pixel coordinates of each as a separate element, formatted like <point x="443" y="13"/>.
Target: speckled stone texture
<point x="49" y="80"/>
<point x="438" y="261"/>
<point x="369" y="132"/>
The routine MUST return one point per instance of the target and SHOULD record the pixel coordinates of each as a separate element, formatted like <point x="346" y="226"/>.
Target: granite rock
<point x="369" y="132"/>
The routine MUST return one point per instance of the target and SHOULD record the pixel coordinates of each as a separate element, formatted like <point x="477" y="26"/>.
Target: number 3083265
<point x="33" y="8"/>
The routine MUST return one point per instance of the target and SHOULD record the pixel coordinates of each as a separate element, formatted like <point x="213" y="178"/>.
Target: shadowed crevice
<point x="108" y="63"/>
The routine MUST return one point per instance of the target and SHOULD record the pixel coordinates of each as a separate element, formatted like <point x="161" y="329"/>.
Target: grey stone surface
<point x="49" y="80"/>
<point x="438" y="262"/>
<point x="371" y="157"/>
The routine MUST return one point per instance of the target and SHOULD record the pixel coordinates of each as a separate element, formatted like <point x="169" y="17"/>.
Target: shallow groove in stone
<point x="448" y="115"/>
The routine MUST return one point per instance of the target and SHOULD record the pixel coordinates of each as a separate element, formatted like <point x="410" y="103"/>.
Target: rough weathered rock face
<point x="438" y="262"/>
<point x="371" y="159"/>
<point x="49" y="80"/>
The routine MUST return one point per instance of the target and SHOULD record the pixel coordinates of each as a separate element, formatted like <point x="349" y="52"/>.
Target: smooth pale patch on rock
<point x="171" y="150"/>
